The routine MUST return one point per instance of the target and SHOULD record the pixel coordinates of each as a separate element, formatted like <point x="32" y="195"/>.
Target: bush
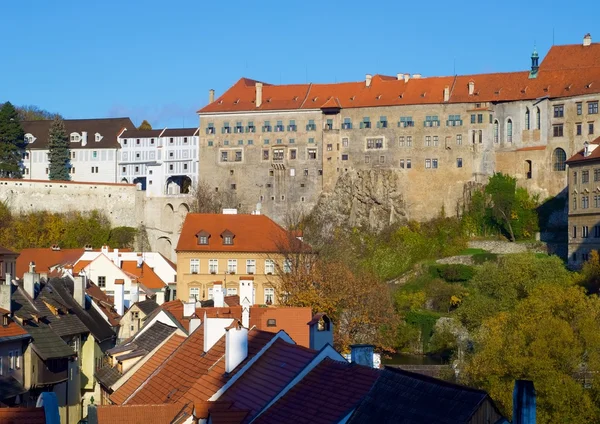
<point x="453" y="272"/>
<point x="480" y="258"/>
<point x="424" y="321"/>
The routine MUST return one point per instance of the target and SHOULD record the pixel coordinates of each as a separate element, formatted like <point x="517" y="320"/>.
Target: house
<point x="45" y="411"/>
<point x="93" y="147"/>
<point x="241" y="253"/>
<point x="161" y="162"/>
<point x="584" y="203"/>
<point x="132" y="320"/>
<point x="8" y="263"/>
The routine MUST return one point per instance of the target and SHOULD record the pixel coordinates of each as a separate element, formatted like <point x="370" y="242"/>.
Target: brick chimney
<point x="587" y="39"/>
<point x="259" y="88"/>
<point x="119" y="298"/>
<point x="211" y="95"/>
<point x="236" y="347"/>
<point x="368" y="79"/>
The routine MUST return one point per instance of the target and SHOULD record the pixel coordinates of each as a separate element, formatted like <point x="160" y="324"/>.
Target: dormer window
<point x="29" y="138"/>
<point x="203" y="237"/>
<point x="227" y="237"/>
<point x="75" y="138"/>
<point x="98" y="137"/>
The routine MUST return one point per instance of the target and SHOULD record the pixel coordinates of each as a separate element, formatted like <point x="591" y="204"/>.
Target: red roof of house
<point x="289" y="319"/>
<point x="138" y="414"/>
<point x="12" y="329"/>
<point x="566" y="71"/>
<point x="145" y="275"/>
<point x="251" y="233"/>
<point x="44" y="258"/>
<point x="593" y="156"/>
<point x="328" y="393"/>
<point x="146" y="370"/>
<point x="270" y="374"/>
<point x="22" y="415"/>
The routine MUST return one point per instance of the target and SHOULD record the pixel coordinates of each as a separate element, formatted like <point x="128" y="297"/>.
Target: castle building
<point x="286" y="145"/>
<point x="93" y="145"/>
<point x="161" y="162"/>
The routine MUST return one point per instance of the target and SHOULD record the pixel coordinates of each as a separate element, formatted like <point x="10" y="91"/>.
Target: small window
<point x="101" y="281"/>
<point x="459" y="162"/>
<point x="293" y="153"/>
<point x="344" y="157"/>
<point x="271" y="322"/>
<point x="592" y="108"/>
<point x="265" y="154"/>
<point x="579" y="108"/>
<point x="228" y="240"/>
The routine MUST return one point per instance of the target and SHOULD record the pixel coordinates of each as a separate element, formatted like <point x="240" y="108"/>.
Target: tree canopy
<point x="59" y="152"/>
<point x="145" y="125"/>
<point x="12" y="142"/>
<point x="34" y="113"/>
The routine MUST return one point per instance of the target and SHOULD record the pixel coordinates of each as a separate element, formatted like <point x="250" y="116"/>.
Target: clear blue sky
<point x="157" y="59"/>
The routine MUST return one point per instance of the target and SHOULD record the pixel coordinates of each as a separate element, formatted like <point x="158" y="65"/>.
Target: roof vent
<point x="587" y="39"/>
<point x="368" y="79"/>
<point x="406" y="77"/>
<point x="87" y="247"/>
<point x="471" y="87"/>
<point x="416" y="76"/>
<point x="446" y="93"/>
<point x="230" y="211"/>
<point x="55" y="247"/>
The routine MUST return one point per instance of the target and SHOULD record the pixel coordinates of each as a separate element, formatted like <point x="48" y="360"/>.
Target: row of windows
<point x="13" y="362"/>
<point x="232" y="266"/>
<point x="558" y="129"/>
<point x="269" y="296"/>
<point x="585" y="233"/>
<point x="585" y="202"/>
<point x="585" y="176"/>
<point x="138" y="142"/>
<point x="592" y="109"/>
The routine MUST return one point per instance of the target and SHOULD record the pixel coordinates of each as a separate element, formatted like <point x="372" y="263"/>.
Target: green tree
<point x="12" y="142"/>
<point x="58" y="151"/>
<point x="145" y="125"/>
<point x="501" y="189"/>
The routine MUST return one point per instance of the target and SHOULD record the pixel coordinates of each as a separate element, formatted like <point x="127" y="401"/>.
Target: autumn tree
<point x="12" y="142"/>
<point x="552" y="338"/>
<point x="145" y="125"/>
<point x="589" y="276"/>
<point x="34" y="113"/>
<point x="59" y="152"/>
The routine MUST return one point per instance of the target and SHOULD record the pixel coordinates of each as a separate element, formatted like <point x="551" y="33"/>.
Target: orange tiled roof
<point x="45" y="258"/>
<point x="291" y="320"/>
<point x="79" y="265"/>
<point x="566" y="71"/>
<point x="593" y="156"/>
<point x="252" y="233"/>
<point x="138" y="414"/>
<point x="146" y="370"/>
<point x="12" y="329"/>
<point x="22" y="415"/>
<point x="145" y="274"/>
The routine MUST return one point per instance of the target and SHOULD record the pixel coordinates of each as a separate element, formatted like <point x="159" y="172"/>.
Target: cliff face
<point x="364" y="198"/>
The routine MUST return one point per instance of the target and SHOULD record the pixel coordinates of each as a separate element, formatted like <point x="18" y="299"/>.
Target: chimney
<point x="406" y="77"/>
<point x="160" y="297"/>
<point x="116" y="258"/>
<point x="524" y="402"/>
<point x="88" y="248"/>
<point x="259" y="88"/>
<point x="79" y="286"/>
<point x="446" y="93"/>
<point x="83" y="138"/>
<point x="30" y="279"/>
<point x="104" y="250"/>
<point x="362" y="354"/>
<point x="400" y="77"/>
<point x="218" y="297"/>
<point x="236" y="347"/>
<point x="587" y="40"/>
<point x="134" y="293"/>
<point x="6" y="294"/>
<point x="368" y="79"/>
<point x="471" y="88"/>
<point x="416" y="76"/>
<point x="194" y="324"/>
<point x="211" y="96"/>
<point x="189" y="308"/>
<point x="120" y="296"/>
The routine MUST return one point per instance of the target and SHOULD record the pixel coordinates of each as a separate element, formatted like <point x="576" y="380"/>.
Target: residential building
<point x="584" y="203"/>
<point x="93" y="146"/>
<point x="132" y="320"/>
<point x="414" y="143"/>
<point x="8" y="263"/>
<point x="161" y="162"/>
<point x="239" y="253"/>
<point x="45" y="411"/>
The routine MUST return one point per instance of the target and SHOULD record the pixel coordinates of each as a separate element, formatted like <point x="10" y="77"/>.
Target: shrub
<point x="453" y="272"/>
<point x="480" y="258"/>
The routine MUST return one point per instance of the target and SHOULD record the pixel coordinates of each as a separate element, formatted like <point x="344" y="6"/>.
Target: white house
<point x="161" y="162"/>
<point x="93" y="144"/>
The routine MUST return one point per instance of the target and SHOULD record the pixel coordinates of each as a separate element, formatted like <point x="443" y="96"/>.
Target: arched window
<point x="496" y="131"/>
<point x="538" y="117"/>
<point x="527" y="126"/>
<point x="559" y="157"/>
<point x="509" y="130"/>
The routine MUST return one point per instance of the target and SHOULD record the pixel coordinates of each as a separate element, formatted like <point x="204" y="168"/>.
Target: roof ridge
<point x="433" y="380"/>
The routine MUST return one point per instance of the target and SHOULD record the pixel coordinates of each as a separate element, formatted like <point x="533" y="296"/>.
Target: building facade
<point x="284" y="145"/>
<point x="584" y="203"/>
<point x="93" y="145"/>
<point x="161" y="162"/>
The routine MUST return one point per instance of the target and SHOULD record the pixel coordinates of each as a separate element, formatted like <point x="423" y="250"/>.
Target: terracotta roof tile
<point x="11" y="330"/>
<point x="573" y="56"/>
<point x="252" y="233"/>
<point x="270" y="374"/>
<point x="593" y="156"/>
<point x="22" y="415"/>
<point x="145" y="274"/>
<point x="289" y="319"/>
<point x="146" y="370"/>
<point x="79" y="265"/>
<point x="328" y="393"/>
<point x="45" y="258"/>
<point x="136" y="414"/>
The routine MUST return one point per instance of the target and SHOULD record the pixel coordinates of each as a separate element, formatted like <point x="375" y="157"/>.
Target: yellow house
<point x="241" y="252"/>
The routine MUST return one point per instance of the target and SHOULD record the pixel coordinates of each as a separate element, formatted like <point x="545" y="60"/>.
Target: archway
<point x="186" y="185"/>
<point x="182" y="211"/>
<point x="167" y="217"/>
<point x="164" y="247"/>
<point x="559" y="159"/>
<point x="124" y="181"/>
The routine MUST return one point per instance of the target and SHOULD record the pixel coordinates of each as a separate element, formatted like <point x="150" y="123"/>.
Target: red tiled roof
<point x="202" y="407"/>
<point x="145" y="274"/>
<point x="270" y="374"/>
<point x="45" y="258"/>
<point x="252" y="233"/>
<point x="566" y="71"/>
<point x="146" y="370"/>
<point x="593" y="156"/>
<point x="232" y="300"/>
<point x="79" y="265"/>
<point x="138" y="414"/>
<point x="325" y="395"/>
<point x="22" y="415"/>
<point x="12" y="329"/>
<point x="291" y="320"/>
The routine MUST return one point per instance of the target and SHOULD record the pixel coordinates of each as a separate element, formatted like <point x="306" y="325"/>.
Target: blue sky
<point x="156" y="60"/>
